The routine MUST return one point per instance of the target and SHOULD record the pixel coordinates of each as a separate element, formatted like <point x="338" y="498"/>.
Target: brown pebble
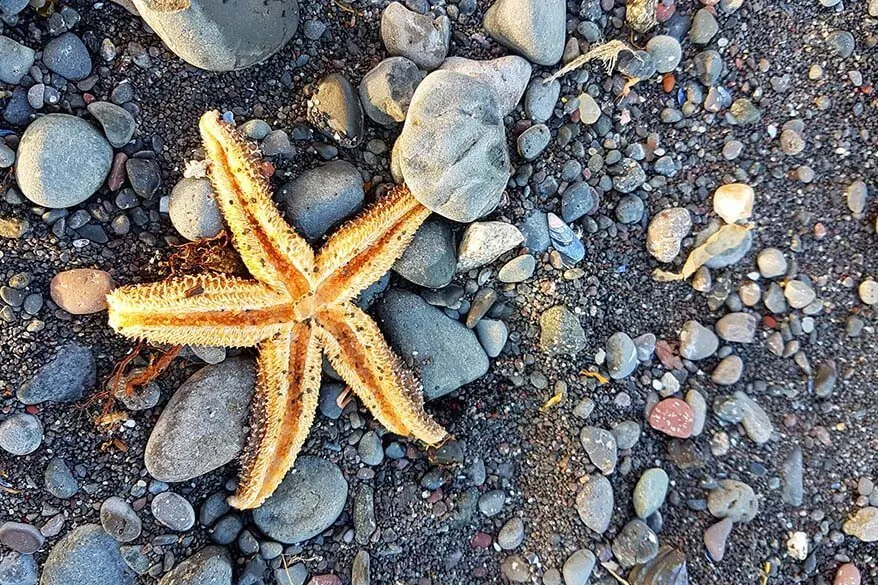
<point x="847" y="574"/>
<point x="715" y="538"/>
<point x="81" y="291"/>
<point x="116" y="178"/>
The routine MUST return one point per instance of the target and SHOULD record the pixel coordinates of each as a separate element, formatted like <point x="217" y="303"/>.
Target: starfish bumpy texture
<point x="298" y="307"/>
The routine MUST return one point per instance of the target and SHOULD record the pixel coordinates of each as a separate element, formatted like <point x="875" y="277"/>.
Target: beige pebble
<point x="847" y="574"/>
<point x="81" y="291"/>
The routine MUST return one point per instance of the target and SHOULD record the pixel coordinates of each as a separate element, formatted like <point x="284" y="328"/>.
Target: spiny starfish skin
<point x="299" y="307"/>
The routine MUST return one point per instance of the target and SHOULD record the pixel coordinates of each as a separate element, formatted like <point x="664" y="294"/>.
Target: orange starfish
<point x="299" y="306"/>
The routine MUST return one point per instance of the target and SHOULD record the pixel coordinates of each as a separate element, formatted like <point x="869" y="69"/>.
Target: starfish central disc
<point x="296" y="308"/>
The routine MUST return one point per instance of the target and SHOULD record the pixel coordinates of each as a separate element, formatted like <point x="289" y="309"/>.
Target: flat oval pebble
<point x="81" y="291"/>
<point x="868" y="291"/>
<point x="847" y="574"/>
<point x="594" y="503"/>
<point x="21" y="434"/>
<point x="21" y="537"/>
<point x="120" y="520"/>
<point x="578" y="567"/>
<point x="173" y="511"/>
<point x="193" y="210"/>
<point x="672" y="417"/>
<point x="600" y="445"/>
<point x="518" y="269"/>
<point x="309" y="499"/>
<point x="650" y="491"/>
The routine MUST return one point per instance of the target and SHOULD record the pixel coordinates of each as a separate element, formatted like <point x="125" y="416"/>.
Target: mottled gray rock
<point x="387" y="89"/>
<point x="594" y="503"/>
<point x="224" y="35"/>
<point x="511" y="534"/>
<point x="697" y="341"/>
<point x="322" y="197"/>
<point x="193" y="209"/>
<point x="211" y="565"/>
<point x="485" y="241"/>
<point x="117" y="122"/>
<point x="452" y="150"/>
<point x="666" y="231"/>
<point x="704" y="27"/>
<point x="15" y="60"/>
<point x="86" y="556"/>
<point x="492" y="334"/>
<point x="62" y="161"/>
<point x="533" y="141"/>
<point x="18" y="569"/>
<point x="600" y="445"/>
<point x="534" y="29"/>
<point x="309" y="499"/>
<point x="431" y="259"/>
<point x="422" y="38"/>
<point x="635" y="544"/>
<point x="650" y="491"/>
<point x="21" y="537"/>
<point x="621" y="356"/>
<point x="665" y="51"/>
<point x="173" y="511"/>
<point x="540" y="99"/>
<point x="518" y="269"/>
<point x="733" y="499"/>
<point x="578" y="567"/>
<point x="63" y="379"/>
<point x="737" y="327"/>
<point x="120" y="520"/>
<point x="561" y="332"/>
<point x="755" y="420"/>
<point x="444" y="352"/>
<point x="507" y="75"/>
<point x="202" y="426"/>
<point x="793" y="484"/>
<point x="67" y="56"/>
<point x="21" y="434"/>
<point x="59" y="479"/>
<point x="667" y="568"/>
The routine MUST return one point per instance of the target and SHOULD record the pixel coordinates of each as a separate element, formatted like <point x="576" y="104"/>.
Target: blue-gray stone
<point x="321" y="198"/>
<point x="66" y="378"/>
<point x="431" y="258"/>
<point x="86" y="556"/>
<point x="67" y="56"/>
<point x="15" y="59"/>
<point x="212" y="565"/>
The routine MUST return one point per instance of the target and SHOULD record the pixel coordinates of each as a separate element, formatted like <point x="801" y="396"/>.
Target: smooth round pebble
<point x="21" y="434"/>
<point x="174" y="511"/>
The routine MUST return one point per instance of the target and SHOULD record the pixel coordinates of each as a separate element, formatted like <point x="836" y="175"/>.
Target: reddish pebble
<point x="434" y="496"/>
<point x="673" y="417"/>
<point x="481" y="540"/>
<point x="847" y="574"/>
<point x="668" y="82"/>
<point x="820" y="231"/>
<point x="663" y="12"/>
<point x="769" y="321"/>
<point x="81" y="291"/>
<point x="116" y="178"/>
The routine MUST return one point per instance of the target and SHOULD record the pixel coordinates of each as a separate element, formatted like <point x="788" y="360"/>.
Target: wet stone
<point x="21" y="537"/>
<point x="594" y="503"/>
<point x="650" y="491"/>
<point x="635" y="544"/>
<point x="600" y="445"/>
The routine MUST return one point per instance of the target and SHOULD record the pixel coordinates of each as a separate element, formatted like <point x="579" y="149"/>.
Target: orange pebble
<point x="668" y="82"/>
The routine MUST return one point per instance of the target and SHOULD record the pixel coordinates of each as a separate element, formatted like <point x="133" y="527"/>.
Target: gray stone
<point x="628" y="176"/>
<point x="335" y="110"/>
<point x="431" y="259"/>
<point x="728" y="371"/>
<point x="667" y="568"/>
<point x="277" y="143"/>
<point x="452" y="150"/>
<point x="535" y="229"/>
<point x="594" y="503"/>
<point x="755" y="420"/>
<point x="422" y="38"/>
<point x="665" y="51"/>
<point x="629" y="209"/>
<point x="18" y="111"/>
<point x="579" y="199"/>
<point x="211" y="565"/>
<point x="117" y="122"/>
<point x="173" y="511"/>
<point x="492" y="335"/>
<point x="650" y="491"/>
<point x="561" y="332"/>
<point x="715" y="538"/>
<point x="534" y="29"/>
<point x="737" y="327"/>
<point x="626" y="433"/>
<point x="697" y="341"/>
<point x="841" y="43"/>
<point x="370" y="449"/>
<point x="444" y="352"/>
<point x="533" y="141"/>
<point x="635" y="544"/>
<point x="507" y="75"/>
<point x="793" y="483"/>
<point x="515" y="569"/>
<point x="18" y="569"/>
<point x="704" y="27"/>
<point x="120" y="520"/>
<point x="733" y="499"/>
<point x="323" y="197"/>
<point x="600" y="445"/>
<point x="63" y="379"/>
<point x="511" y="534"/>
<point x="62" y="161"/>
<point x="387" y="89"/>
<point x="799" y="294"/>
<point x="708" y="67"/>
<point x="518" y="269"/>
<point x="540" y="99"/>
<point x="21" y="537"/>
<point x="15" y="60"/>
<point x="86" y="556"/>
<point x="491" y="503"/>
<point x="485" y="241"/>
<point x="59" y="480"/>
<point x="309" y="499"/>
<point x="621" y="356"/>
<point x="203" y="425"/>
<point x="193" y="209"/>
<point x="224" y="35"/>
<point x="729" y="257"/>
<point x="578" y="567"/>
<point x="21" y="434"/>
<point x="856" y="194"/>
<point x="67" y="56"/>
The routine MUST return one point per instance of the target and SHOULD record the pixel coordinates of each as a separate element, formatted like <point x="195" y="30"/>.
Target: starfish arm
<point x="363" y="250"/>
<point x="206" y="309"/>
<point x="272" y="251"/>
<point x="282" y="412"/>
<point x="359" y="353"/>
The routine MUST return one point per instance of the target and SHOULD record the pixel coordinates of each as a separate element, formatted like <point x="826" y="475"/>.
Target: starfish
<point x="297" y="307"/>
